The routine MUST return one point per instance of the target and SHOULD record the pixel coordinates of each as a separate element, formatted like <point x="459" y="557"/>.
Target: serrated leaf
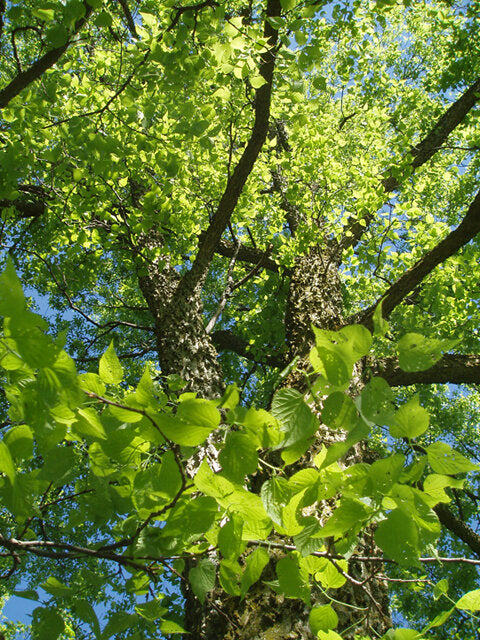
<point x="297" y="420"/>
<point x="202" y="578"/>
<point x="109" y="367"/>
<point x="275" y="494"/>
<point x="376" y="401"/>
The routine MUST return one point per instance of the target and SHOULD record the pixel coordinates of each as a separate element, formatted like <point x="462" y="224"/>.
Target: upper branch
<point x="451" y="368"/>
<point x="237" y="180"/>
<point x="245" y="254"/>
<point x="421" y="153"/>
<point x="466" y="230"/>
<point x="35" y="70"/>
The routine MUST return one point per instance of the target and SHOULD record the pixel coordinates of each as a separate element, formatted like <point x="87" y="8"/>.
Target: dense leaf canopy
<point x="240" y="288"/>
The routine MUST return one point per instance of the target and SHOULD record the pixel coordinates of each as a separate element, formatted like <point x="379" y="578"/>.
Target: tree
<point x="253" y="229"/>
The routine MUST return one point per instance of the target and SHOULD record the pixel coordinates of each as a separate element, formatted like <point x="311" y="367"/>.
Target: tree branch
<point x="228" y="341"/>
<point x="35" y="70"/>
<point x="452" y="368"/>
<point x="195" y="277"/>
<point x="466" y="230"/>
<point x="129" y="18"/>
<point x="421" y="153"/>
<point x="248" y="254"/>
<point x="458" y="527"/>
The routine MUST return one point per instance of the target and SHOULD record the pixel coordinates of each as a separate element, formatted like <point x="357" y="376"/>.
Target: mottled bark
<point x="183" y="346"/>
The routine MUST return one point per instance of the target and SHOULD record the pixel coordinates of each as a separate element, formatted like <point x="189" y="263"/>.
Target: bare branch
<point x="466" y="230"/>
<point x="452" y="368"/>
<point x="35" y="70"/>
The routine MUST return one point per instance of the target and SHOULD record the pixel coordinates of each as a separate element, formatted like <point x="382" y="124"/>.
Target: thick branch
<point x="452" y="368"/>
<point x="466" y="230"/>
<point x="421" y="153"/>
<point x="35" y="70"/>
<point x="228" y="341"/>
<point x="245" y="254"/>
<point x="458" y="527"/>
<point x="129" y="18"/>
<point x="237" y="180"/>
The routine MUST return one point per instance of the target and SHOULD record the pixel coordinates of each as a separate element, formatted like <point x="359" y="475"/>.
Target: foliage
<point x="252" y="231"/>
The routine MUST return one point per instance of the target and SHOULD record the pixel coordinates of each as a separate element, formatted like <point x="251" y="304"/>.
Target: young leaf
<point x="410" y="421"/>
<point x="470" y="601"/>
<point x="109" y="368"/>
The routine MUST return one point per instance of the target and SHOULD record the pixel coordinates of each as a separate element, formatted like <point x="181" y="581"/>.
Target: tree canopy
<point x="240" y="295"/>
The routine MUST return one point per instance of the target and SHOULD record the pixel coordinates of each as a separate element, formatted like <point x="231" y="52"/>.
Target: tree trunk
<point x="186" y="349"/>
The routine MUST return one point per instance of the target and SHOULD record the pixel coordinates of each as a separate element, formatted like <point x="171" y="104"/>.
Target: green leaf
<point x="418" y="353"/>
<point x="293" y="578"/>
<point x="44" y="14"/>
<point x="12" y="300"/>
<point x="410" y="421"/>
<point x="170" y="626"/>
<point x="440" y="619"/>
<point x="254" y="565"/>
<point x="151" y="610"/>
<point x="230" y="540"/>
<point x="54" y="587"/>
<point x="19" y="441"/>
<point x="443" y="459"/>
<point x="470" y="601"/>
<point x="328" y="635"/>
<point x="239" y="456"/>
<point x="397" y="536"/>
<point x="89" y="424"/>
<point x="109" y="367"/>
<point x="380" y="325"/>
<point x="103" y="19"/>
<point x="6" y="463"/>
<point x="47" y="624"/>
<point x="275" y="494"/>
<point x="376" y="401"/>
<point x="297" y="420"/>
<point x="202" y="578"/>
<point x="349" y="516"/>
<point x="339" y="411"/>
<point x="441" y="588"/>
<point x="229" y="576"/>
<point x="86" y="612"/>
<point x="257" y="81"/>
<point x="322" y="618"/>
